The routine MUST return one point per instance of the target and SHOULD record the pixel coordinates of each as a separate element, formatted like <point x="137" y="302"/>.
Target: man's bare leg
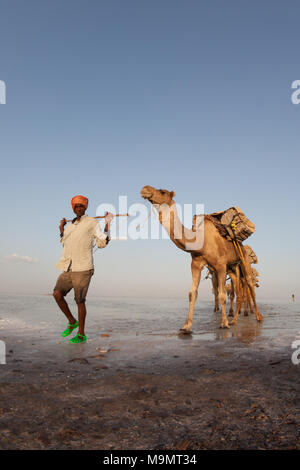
<point x="81" y="317"/>
<point x="63" y="306"/>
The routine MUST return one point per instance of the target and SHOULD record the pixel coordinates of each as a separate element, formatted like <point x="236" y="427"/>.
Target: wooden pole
<point x="103" y="216"/>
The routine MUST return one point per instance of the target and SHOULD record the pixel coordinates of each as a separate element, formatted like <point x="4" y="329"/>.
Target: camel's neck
<point x="184" y="238"/>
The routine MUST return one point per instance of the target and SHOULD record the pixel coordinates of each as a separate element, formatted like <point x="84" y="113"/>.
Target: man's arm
<point x="62" y="227"/>
<point x="102" y="239"/>
<point x="108" y="219"/>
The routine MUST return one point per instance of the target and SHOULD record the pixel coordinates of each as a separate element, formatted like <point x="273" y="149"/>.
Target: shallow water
<point x="144" y="376"/>
<point x="130" y="317"/>
<point x="144" y="386"/>
<point x="141" y="335"/>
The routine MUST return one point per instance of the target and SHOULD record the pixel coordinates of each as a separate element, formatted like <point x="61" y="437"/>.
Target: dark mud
<point x="155" y="391"/>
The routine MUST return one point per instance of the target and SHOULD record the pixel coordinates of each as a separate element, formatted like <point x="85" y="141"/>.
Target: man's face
<point x="79" y="209"/>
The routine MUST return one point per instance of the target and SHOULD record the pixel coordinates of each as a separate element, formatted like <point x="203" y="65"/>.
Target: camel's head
<point x="157" y="196"/>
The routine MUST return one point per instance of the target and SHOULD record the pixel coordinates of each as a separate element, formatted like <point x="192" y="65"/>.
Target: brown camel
<point x="246" y="303"/>
<point x="207" y="248"/>
<point x="245" y="300"/>
<point x="243" y="297"/>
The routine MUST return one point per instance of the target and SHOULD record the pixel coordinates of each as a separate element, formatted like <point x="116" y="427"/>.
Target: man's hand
<point x="108" y="217"/>
<point x="62" y="224"/>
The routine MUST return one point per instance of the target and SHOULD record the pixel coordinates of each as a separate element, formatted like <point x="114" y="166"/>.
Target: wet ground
<point x="141" y="386"/>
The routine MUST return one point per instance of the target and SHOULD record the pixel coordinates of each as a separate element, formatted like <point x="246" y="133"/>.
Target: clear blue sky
<point x="104" y="97"/>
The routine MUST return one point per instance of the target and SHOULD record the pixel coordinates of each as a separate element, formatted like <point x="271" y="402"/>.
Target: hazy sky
<point x="104" y="97"/>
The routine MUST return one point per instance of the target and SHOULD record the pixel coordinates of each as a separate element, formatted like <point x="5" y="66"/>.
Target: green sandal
<point x="78" y="339"/>
<point x="70" y="328"/>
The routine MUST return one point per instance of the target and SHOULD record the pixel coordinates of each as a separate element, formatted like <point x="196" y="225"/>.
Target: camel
<point x="245" y="301"/>
<point x="244" y="297"/>
<point x="213" y="251"/>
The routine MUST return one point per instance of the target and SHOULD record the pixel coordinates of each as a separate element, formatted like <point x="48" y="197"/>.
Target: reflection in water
<point x="186" y="337"/>
<point x="223" y="333"/>
<point x="129" y="317"/>
<point x="246" y="330"/>
<point x="279" y="320"/>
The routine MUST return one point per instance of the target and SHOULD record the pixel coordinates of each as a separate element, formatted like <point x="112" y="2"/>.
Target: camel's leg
<point x="239" y="295"/>
<point x="251" y="305"/>
<point x="232" y="290"/>
<point x="246" y="299"/>
<point x="197" y="266"/>
<point x="243" y="287"/>
<point x="222" y="295"/>
<point x="249" y="302"/>
<point x="214" y="280"/>
<point x="240" y="289"/>
<point x="259" y="317"/>
<point x="248" y="280"/>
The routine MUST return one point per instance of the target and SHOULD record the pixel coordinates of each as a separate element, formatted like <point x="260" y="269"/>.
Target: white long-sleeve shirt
<point x="77" y="242"/>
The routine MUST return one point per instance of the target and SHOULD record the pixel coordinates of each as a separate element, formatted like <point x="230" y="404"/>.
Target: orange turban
<point x="79" y="200"/>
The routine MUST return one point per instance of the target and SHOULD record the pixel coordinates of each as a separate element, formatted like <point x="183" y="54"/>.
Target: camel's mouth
<point x="147" y="192"/>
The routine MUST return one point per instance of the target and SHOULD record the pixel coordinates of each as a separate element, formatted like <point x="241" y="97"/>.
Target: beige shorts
<point x="79" y="281"/>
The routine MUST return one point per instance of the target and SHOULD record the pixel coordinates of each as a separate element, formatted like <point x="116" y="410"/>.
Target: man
<point x="77" y="262"/>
